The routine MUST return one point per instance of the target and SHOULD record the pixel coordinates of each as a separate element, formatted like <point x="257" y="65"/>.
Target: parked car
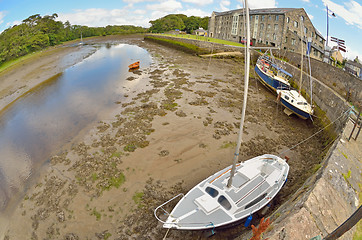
<point x="243" y="41"/>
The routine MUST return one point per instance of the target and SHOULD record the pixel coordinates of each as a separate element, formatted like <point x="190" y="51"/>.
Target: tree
<point x="192" y="23"/>
<point x="178" y="21"/>
<point x="36" y="32"/>
<point x="356" y="60"/>
<point x="204" y="23"/>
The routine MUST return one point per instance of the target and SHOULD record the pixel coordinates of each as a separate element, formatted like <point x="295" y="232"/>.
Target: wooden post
<point x="355" y="124"/>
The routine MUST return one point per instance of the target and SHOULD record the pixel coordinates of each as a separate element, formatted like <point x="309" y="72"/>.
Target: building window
<point x="302" y="18"/>
<point x="293" y="41"/>
<point x="261" y="26"/>
<point x="256" y="17"/>
<point x="276" y="17"/>
<point x="286" y="39"/>
<point x="274" y="36"/>
<point x="270" y="17"/>
<point x="288" y="19"/>
<point x="267" y="36"/>
<point x="234" y="26"/>
<point x="263" y="18"/>
<point x="268" y="26"/>
<point x="305" y="30"/>
<point x="295" y="24"/>
<point x="276" y="27"/>
<point x="251" y="18"/>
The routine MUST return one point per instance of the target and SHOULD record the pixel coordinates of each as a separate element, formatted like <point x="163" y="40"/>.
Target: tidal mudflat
<point x="160" y="139"/>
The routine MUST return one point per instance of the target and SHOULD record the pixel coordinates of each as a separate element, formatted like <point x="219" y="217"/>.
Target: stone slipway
<point x="330" y="201"/>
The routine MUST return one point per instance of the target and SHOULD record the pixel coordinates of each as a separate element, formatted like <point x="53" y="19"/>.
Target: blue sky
<point x="347" y="24"/>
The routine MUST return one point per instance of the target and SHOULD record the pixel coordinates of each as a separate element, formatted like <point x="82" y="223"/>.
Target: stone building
<point x="277" y="27"/>
<point x="336" y="54"/>
<point x="354" y="68"/>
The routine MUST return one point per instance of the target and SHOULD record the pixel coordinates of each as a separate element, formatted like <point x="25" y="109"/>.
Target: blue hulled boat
<point x="295" y="103"/>
<point x="271" y="75"/>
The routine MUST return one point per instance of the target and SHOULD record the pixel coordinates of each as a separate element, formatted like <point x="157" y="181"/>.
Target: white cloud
<point x="199" y="2"/>
<point x="10" y="24"/>
<point x="194" y="12"/>
<point x="311" y="17"/>
<point x="351" y="54"/>
<point x="166" y="6"/>
<point x="2" y="15"/>
<point x="260" y="4"/>
<point x="224" y="5"/>
<point x="307" y="1"/>
<point x="139" y="12"/>
<point x="98" y="17"/>
<point x="136" y="1"/>
<point x="350" y="12"/>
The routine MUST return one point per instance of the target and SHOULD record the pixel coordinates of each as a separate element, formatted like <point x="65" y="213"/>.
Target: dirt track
<point x="166" y="138"/>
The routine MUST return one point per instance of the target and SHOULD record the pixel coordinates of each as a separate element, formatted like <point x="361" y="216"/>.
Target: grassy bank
<point x="185" y="47"/>
<point x="202" y="38"/>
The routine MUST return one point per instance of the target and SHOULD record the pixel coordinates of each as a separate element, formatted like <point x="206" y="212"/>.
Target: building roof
<point x="271" y="10"/>
<point x="257" y="11"/>
<point x="353" y="63"/>
<point x="200" y="30"/>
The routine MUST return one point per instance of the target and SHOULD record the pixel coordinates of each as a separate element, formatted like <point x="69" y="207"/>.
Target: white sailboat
<point x="292" y="100"/>
<point x="234" y="192"/>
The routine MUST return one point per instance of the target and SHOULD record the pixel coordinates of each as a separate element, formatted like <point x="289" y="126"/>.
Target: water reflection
<point x="37" y="125"/>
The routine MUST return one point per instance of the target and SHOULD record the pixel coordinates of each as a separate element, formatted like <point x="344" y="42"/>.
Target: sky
<point x="347" y="25"/>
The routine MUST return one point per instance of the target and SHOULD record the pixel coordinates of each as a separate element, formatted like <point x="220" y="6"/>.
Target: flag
<point x="309" y="45"/>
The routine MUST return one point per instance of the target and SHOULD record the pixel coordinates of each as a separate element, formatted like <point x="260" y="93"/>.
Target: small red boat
<point x="134" y="65"/>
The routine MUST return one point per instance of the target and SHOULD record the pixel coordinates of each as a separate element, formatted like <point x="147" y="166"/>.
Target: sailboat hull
<point x="212" y="204"/>
<point x="298" y="112"/>
<point x="269" y="81"/>
<point x="292" y="95"/>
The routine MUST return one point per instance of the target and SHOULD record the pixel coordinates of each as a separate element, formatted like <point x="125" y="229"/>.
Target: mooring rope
<point x="166" y="234"/>
<point x="314" y="133"/>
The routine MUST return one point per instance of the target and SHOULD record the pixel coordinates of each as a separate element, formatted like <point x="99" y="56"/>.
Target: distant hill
<point x="36" y="32"/>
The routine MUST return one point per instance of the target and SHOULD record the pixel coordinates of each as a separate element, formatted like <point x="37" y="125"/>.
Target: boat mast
<point x="310" y="70"/>
<point x="246" y="85"/>
<point x="301" y="53"/>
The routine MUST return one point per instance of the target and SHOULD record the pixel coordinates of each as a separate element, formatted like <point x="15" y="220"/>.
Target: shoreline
<point x="180" y="127"/>
<point x="36" y="70"/>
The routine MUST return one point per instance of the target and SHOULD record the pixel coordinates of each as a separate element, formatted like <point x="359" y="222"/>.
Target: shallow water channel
<point x="51" y="115"/>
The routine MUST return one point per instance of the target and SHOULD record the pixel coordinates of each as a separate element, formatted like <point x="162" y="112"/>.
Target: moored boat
<point x="296" y="103"/>
<point x="212" y="204"/>
<point x="271" y="75"/>
<point x="291" y="99"/>
<point x="134" y="65"/>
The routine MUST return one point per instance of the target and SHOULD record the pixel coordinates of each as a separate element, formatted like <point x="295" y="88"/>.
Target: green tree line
<point x="36" y="33"/>
<point x="180" y="22"/>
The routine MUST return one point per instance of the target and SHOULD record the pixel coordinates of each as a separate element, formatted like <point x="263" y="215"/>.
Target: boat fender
<point x="279" y="96"/>
<point x="265" y="209"/>
<point x="248" y="221"/>
<point x="286" y="158"/>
